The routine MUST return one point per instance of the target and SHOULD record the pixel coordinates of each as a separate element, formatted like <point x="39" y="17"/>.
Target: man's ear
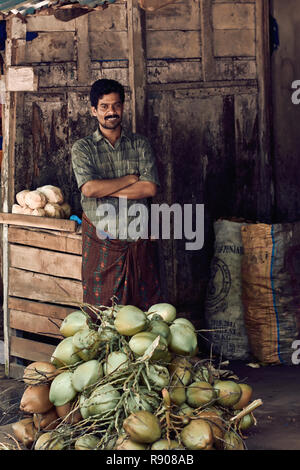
<point x="94" y="111"/>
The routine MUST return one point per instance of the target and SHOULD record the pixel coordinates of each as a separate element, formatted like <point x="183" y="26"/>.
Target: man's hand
<point x="102" y="188"/>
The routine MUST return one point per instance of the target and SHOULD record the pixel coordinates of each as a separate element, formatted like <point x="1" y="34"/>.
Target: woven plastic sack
<point x="271" y="289"/>
<point x="224" y="312"/>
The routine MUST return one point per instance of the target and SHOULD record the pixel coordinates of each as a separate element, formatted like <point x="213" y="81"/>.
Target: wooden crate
<point x="43" y="286"/>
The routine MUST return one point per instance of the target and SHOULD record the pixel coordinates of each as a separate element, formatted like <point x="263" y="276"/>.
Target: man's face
<point x="109" y="111"/>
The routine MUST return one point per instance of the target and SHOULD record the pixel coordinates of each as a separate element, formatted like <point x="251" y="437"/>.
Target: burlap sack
<point x="224" y="312"/>
<point x="271" y="289"/>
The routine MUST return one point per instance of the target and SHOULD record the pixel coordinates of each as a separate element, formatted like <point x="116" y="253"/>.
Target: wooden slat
<point x="45" y="261"/>
<point x="31" y="350"/>
<point x="233" y="16"/>
<point x="234" y="42"/>
<point x="177" y="16"/>
<point x="113" y="18"/>
<point x="51" y="47"/>
<point x="36" y="286"/>
<point x="48" y="23"/>
<point x="39" y="222"/>
<point x="83" y="50"/>
<point x="65" y="242"/>
<point x="173" y="44"/>
<point x="108" y="45"/>
<point x="39" y="308"/>
<point x="137" y="66"/>
<point x="34" y="323"/>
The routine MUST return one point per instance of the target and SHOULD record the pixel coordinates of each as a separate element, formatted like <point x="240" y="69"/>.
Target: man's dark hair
<point x="105" y="86"/>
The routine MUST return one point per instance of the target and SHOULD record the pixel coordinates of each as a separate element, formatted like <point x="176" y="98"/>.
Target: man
<point x="111" y="166"/>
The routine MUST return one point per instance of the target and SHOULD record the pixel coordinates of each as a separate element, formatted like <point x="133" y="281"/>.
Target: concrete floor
<point x="278" y="419"/>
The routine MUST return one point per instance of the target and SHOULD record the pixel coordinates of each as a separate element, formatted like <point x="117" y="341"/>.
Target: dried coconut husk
<point x="46" y="421"/>
<point x="35" y="399"/>
<point x="69" y="413"/>
<point x="39" y="372"/>
<point x="25" y="431"/>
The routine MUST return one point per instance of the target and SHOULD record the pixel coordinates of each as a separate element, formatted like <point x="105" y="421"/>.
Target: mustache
<point x="112" y="116"/>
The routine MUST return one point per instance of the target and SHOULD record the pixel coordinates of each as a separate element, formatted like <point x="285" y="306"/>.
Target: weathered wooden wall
<point x="196" y="71"/>
<point x="286" y="115"/>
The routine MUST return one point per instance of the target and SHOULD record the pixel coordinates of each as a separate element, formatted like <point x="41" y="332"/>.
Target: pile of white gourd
<point x="133" y="369"/>
<point x="46" y="201"/>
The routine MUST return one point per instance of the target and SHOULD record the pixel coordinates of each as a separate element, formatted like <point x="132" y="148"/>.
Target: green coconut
<point x="184" y="321"/>
<point x="165" y="310"/>
<point x="49" y="441"/>
<point x="104" y="398"/>
<point x="141" y="401"/>
<point x="180" y="368"/>
<point x="199" y="393"/>
<point x="86" y="343"/>
<point x="72" y="323"/>
<point x="86" y="374"/>
<point x="84" y="406"/>
<point x="177" y="392"/>
<point x="140" y="342"/>
<point x="125" y="443"/>
<point x="246" y="422"/>
<point x="142" y="426"/>
<point x="61" y="389"/>
<point x="160" y="327"/>
<point x="183" y="340"/>
<point x="232" y="441"/>
<point x="158" y="375"/>
<point x="65" y="353"/>
<point x="130" y="320"/>
<point x="164" y="444"/>
<point x="228" y="392"/>
<point x="197" y="435"/>
<point x="87" y="442"/>
<point x="116" y="360"/>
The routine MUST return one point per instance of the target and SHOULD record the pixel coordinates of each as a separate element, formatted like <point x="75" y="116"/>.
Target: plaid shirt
<point x="93" y="157"/>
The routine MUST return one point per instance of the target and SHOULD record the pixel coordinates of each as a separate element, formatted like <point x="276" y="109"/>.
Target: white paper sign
<point x="21" y="79"/>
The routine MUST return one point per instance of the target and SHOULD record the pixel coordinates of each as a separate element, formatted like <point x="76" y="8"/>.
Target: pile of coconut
<point x="132" y="380"/>
<point x="46" y="201"/>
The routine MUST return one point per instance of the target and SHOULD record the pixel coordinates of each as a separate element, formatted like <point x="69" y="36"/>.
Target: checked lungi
<point x="127" y="270"/>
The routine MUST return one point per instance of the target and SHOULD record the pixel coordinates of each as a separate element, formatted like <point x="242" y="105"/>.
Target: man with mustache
<point x="109" y="165"/>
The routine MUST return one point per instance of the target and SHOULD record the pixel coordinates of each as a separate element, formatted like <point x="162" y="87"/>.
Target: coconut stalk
<point x="249" y="409"/>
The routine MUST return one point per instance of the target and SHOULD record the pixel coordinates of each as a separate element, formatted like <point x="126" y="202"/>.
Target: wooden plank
<point x="45" y="261"/>
<point x="137" y="66"/>
<point x="173" y="44"/>
<point x="83" y="50"/>
<point x="36" y="286"/>
<point x="207" y="46"/>
<point x="48" y="23"/>
<point x="39" y="308"/>
<point x="7" y="188"/>
<point x="35" y="323"/>
<point x="233" y="16"/>
<point x="31" y="350"/>
<point x="266" y="198"/>
<point x="39" y="222"/>
<point x="234" y="42"/>
<point x="16" y="371"/>
<point x="160" y="71"/>
<point x="177" y="16"/>
<point x="65" y="242"/>
<point x="108" y="45"/>
<point x="51" y="47"/>
<point x="113" y="19"/>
